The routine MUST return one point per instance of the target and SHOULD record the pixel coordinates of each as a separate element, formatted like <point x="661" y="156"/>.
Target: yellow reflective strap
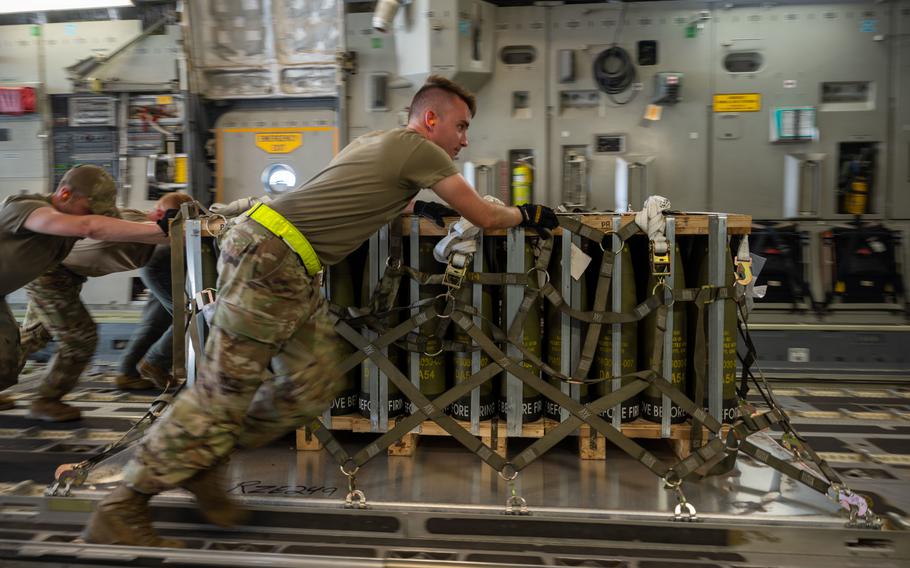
<point x="279" y="226"/>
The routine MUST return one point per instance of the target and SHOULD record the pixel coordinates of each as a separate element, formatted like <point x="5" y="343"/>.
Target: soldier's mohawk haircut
<point x="434" y="90"/>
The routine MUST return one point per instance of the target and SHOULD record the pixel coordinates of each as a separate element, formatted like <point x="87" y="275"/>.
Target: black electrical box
<point x="647" y="52"/>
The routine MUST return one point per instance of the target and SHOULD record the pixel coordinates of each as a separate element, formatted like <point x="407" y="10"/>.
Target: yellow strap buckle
<point x="743" y="271"/>
<point x="281" y="227"/>
<point x="660" y="262"/>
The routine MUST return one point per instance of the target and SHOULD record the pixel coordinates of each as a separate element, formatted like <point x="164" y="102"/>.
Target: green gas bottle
<point x="432" y="366"/>
<point x="729" y="398"/>
<point x="396" y="398"/>
<point x="553" y="329"/>
<point x="651" y="398"/>
<point x="341" y="292"/>
<point x="628" y="350"/>
<point x="531" y="400"/>
<point x="461" y="360"/>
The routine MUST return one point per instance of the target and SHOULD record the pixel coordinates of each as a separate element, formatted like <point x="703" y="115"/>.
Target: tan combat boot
<point x="52" y="410"/>
<point x="123" y="517"/>
<point x="126" y="382"/>
<point x="211" y="496"/>
<point x="6" y="402"/>
<point x="158" y="375"/>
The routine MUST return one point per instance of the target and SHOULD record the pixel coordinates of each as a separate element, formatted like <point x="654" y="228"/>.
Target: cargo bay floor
<point x="862" y="430"/>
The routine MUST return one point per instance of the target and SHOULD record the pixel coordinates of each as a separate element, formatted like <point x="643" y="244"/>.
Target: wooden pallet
<point x="686" y="224"/>
<point x="591" y="444"/>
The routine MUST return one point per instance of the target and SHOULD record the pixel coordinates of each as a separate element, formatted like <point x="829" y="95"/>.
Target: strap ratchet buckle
<point x="454" y="276"/>
<point x="660" y="262"/>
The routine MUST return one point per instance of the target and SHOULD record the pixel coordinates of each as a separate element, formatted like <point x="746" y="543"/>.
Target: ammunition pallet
<point x="591" y="445"/>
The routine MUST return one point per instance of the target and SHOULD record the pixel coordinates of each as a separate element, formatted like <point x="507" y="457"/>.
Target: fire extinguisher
<point x="856" y="183"/>
<point x="522" y="177"/>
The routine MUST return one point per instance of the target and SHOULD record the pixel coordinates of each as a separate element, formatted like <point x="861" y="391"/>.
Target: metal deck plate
<point x="444" y="504"/>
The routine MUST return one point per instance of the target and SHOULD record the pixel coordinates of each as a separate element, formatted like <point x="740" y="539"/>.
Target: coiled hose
<point x="614" y="72"/>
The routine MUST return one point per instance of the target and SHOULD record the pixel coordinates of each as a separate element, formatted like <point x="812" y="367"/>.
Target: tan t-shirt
<point x="24" y="254"/>
<point x="92" y="258"/>
<point x="364" y="187"/>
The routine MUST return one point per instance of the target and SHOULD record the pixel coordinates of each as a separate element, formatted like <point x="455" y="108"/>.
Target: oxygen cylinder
<point x="461" y="409"/>
<point x="651" y="399"/>
<point x="628" y="353"/>
<point x="553" y="331"/>
<point x="522" y="178"/>
<point x="432" y="366"/>
<point x="729" y="399"/>
<point x="341" y="292"/>
<point x="396" y="399"/>
<point x="531" y="400"/>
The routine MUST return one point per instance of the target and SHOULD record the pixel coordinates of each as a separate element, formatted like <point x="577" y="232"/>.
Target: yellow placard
<point x="737" y="102"/>
<point x="180" y="169"/>
<point x="164" y="100"/>
<point x="279" y="142"/>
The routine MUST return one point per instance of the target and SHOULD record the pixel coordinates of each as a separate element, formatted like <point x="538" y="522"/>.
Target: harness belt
<point x="281" y="227"/>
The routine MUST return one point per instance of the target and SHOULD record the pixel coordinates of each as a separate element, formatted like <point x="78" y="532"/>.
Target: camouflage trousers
<point x="33" y="336"/>
<point x="54" y="302"/>
<point x="9" y="346"/>
<point x="268" y="309"/>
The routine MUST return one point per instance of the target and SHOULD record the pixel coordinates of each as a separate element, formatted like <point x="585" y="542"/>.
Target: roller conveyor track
<point x="399" y="535"/>
<point x="443" y="504"/>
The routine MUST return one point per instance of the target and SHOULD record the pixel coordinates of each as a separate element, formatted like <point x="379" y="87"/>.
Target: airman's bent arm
<point x="51" y="222"/>
<point x="456" y="191"/>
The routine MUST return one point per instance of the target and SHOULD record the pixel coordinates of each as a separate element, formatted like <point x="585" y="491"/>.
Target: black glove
<point x="165" y="222"/>
<point x="434" y="211"/>
<point x="538" y="217"/>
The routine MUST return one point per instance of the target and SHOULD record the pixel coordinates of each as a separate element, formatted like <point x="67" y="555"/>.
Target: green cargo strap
<point x="574" y="225"/>
<point x="486" y="278"/>
<point x="384" y="340"/>
<point x="604" y="317"/>
<point x="328" y="441"/>
<point x="592" y="338"/>
<point x="748" y="359"/>
<point x="557" y="396"/>
<point x="421" y="344"/>
<point x="383" y="300"/>
<point x="405" y="425"/>
<point x="281" y="227"/>
<point x="704" y="296"/>
<point x="421" y="403"/>
<point x="566" y="427"/>
<point x="531" y="293"/>
<point x="801" y="475"/>
<point x="660" y="326"/>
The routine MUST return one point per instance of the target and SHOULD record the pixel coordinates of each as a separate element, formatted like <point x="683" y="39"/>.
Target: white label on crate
<point x="580" y="262"/>
<point x="798" y="354"/>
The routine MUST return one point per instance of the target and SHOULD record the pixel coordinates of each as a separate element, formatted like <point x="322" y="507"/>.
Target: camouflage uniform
<point x="268" y="308"/>
<point x="9" y="346"/>
<point x="54" y="301"/>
